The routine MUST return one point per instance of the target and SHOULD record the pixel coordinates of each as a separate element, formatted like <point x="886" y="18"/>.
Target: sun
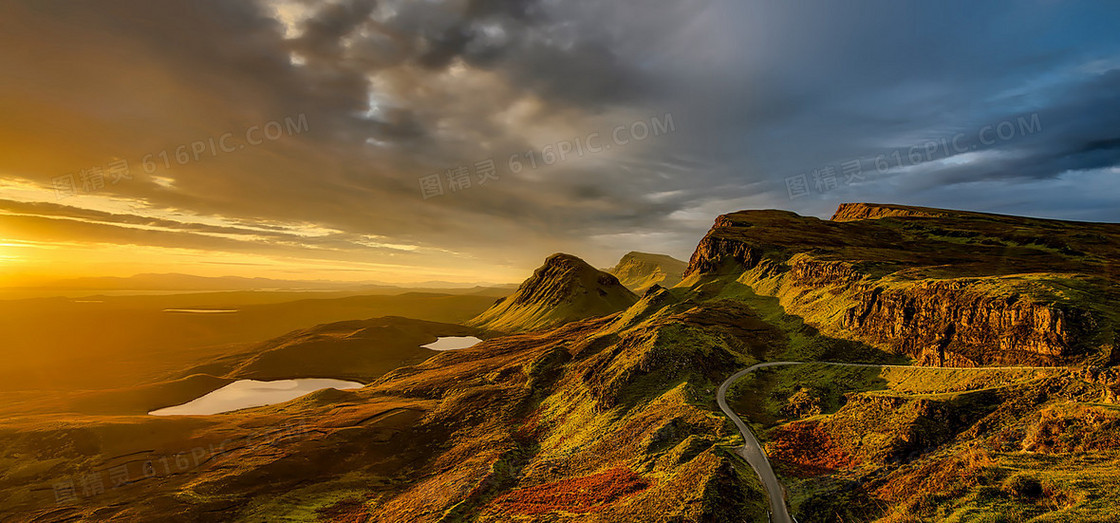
<point x="7" y="254"/>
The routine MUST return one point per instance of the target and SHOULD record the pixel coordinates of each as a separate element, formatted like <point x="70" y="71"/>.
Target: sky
<point x="466" y="140"/>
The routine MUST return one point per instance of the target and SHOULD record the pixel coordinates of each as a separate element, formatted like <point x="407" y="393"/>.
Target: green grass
<point x="302" y="504"/>
<point x="830" y="383"/>
<point x="803" y="341"/>
<point x="961" y="480"/>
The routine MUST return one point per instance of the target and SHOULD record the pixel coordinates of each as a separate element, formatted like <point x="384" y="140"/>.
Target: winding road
<point x="752" y="449"/>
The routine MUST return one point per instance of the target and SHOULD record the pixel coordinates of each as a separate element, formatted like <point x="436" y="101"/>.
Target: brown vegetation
<point x="803" y="449"/>
<point x="582" y="494"/>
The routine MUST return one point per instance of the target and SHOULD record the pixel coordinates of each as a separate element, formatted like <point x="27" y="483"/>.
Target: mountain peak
<point x="564" y="289"/>
<point x="638" y="271"/>
<point x="561" y="259"/>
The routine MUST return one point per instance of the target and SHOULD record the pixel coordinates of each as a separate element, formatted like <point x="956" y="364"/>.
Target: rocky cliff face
<point x="943" y="287"/>
<point x="639" y="271"/>
<point x="866" y="211"/>
<point x="959" y="323"/>
<point x="562" y="290"/>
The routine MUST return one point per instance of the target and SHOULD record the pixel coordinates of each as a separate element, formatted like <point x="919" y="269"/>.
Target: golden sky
<point x="143" y="139"/>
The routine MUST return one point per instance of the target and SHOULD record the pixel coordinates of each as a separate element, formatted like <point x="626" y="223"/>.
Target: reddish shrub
<point x="803" y="449"/>
<point x="582" y="494"/>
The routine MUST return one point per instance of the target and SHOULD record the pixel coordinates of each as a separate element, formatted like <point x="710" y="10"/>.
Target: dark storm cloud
<point x="394" y="90"/>
<point x="1074" y="129"/>
<point x="836" y="84"/>
<point x="321" y="34"/>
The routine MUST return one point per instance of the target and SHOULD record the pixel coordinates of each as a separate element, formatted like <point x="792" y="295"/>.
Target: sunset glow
<point x="559" y="261"/>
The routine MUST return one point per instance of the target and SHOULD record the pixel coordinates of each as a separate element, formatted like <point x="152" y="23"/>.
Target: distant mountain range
<point x="636" y="270"/>
<point x="188" y="282"/>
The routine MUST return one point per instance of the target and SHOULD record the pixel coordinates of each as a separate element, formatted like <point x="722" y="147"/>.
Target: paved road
<point x="752" y="449"/>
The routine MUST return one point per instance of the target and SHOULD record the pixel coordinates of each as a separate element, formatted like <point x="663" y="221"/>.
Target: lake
<point x="243" y="394"/>
<point x="453" y="343"/>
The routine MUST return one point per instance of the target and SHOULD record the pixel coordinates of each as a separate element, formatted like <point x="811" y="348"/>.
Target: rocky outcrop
<point x="741" y="240"/>
<point x="869" y="211"/>
<point x="807" y="271"/>
<point x="943" y="287"/>
<point x="957" y="323"/>
<point x="712" y="253"/>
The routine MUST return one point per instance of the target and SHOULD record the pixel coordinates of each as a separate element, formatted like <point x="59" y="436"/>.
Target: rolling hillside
<point x="602" y="408"/>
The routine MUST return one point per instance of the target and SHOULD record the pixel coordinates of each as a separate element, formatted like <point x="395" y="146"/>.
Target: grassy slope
<point x="482" y="434"/>
<point x="970" y="441"/>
